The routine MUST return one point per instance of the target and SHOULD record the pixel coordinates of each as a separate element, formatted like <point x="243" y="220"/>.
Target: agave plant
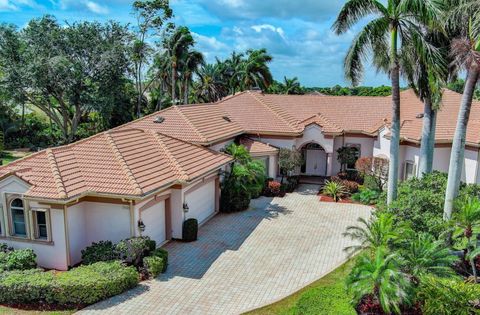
<point x="379" y="276"/>
<point x="334" y="189"/>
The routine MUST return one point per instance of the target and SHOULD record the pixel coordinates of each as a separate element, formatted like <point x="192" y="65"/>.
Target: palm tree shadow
<point x="225" y="232"/>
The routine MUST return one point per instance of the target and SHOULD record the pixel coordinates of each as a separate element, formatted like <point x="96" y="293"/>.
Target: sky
<point x="296" y="32"/>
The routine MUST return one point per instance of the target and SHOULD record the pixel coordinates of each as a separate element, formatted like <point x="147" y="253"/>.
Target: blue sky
<point x="296" y="32"/>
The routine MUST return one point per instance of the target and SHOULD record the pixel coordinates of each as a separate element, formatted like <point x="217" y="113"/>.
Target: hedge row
<point x="20" y="259"/>
<point x="83" y="285"/>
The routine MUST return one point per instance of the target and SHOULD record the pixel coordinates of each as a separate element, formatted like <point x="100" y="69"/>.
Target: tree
<point x="347" y="156"/>
<point x="289" y="160"/>
<point x="64" y="71"/>
<point x="375" y="167"/>
<point x="394" y="23"/>
<point x="191" y="62"/>
<point x="254" y="70"/>
<point x="151" y="16"/>
<point x="380" y="277"/>
<point x="465" y="50"/>
<point x="209" y="87"/>
<point x="291" y="86"/>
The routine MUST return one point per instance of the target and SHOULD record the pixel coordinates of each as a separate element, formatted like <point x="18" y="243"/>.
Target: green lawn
<point x="10" y="156"/>
<point x="7" y="311"/>
<point x="326" y="296"/>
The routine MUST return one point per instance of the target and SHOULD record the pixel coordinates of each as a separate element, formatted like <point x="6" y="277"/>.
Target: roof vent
<point x="420" y="115"/>
<point x="227" y="118"/>
<point x="159" y="119"/>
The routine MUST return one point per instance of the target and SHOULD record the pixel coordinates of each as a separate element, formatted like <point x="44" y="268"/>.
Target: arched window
<point x="18" y="217"/>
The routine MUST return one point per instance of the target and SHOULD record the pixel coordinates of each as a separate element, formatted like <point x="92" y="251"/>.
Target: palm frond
<point x="354" y="10"/>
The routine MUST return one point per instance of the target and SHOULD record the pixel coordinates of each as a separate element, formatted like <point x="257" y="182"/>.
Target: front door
<point x="316" y="162"/>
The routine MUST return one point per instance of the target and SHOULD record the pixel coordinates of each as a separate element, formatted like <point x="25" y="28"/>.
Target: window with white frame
<point x="17" y="213"/>
<point x="410" y="170"/>
<point x="40" y="223"/>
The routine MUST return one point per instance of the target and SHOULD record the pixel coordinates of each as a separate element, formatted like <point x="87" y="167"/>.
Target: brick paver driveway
<point x="246" y="260"/>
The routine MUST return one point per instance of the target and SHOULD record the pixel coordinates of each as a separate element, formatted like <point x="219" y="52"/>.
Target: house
<point x="147" y="176"/>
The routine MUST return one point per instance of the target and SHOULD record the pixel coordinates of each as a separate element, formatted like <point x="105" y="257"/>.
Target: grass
<point x="13" y="311"/>
<point x="10" y="156"/>
<point x="326" y="296"/>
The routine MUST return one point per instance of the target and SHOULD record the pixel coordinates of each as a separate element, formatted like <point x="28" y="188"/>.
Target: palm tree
<point x="380" y="277"/>
<point x="176" y="45"/>
<point x="191" y="62"/>
<point x="210" y="87"/>
<point x="379" y="231"/>
<point x="231" y="68"/>
<point x="425" y="255"/>
<point x="255" y="71"/>
<point x="467" y="219"/>
<point x="466" y="52"/>
<point x="397" y="22"/>
<point x="291" y="86"/>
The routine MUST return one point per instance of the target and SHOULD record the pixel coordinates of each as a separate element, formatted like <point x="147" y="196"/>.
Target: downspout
<point x="67" y="238"/>
<point x="132" y="218"/>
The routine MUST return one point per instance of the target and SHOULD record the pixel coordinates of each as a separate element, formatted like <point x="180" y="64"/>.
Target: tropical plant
<point x="395" y="23"/>
<point x="334" y="189"/>
<point x="288" y="161"/>
<point x="191" y="62"/>
<point x="366" y="196"/>
<point x="467" y="221"/>
<point x="424" y="255"/>
<point x="347" y="156"/>
<point x="378" y="231"/>
<point x="209" y="87"/>
<point x="254" y="70"/>
<point x="374" y="167"/>
<point x="465" y="50"/>
<point x="380" y="277"/>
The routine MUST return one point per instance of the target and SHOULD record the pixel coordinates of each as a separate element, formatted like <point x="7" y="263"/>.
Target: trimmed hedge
<point x="80" y="286"/>
<point x="162" y="253"/>
<point x="101" y="251"/>
<point x="20" y="259"/>
<point x="190" y="230"/>
<point x="154" y="265"/>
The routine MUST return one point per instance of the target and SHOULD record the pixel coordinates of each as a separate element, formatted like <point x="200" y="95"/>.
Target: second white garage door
<point x="154" y="220"/>
<point x="201" y="202"/>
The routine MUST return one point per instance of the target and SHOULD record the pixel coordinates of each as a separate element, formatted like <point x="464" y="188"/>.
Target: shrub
<point x="80" y="286"/>
<point x="369" y="182"/>
<point x="151" y="244"/>
<point x="334" y="190"/>
<point x="5" y="248"/>
<point x="21" y="259"/>
<point x="349" y="185"/>
<point x="273" y="188"/>
<point x="153" y="265"/>
<point x="132" y="250"/>
<point x="376" y="168"/>
<point x="448" y="296"/>
<point x="101" y="251"/>
<point x="160" y="252"/>
<point x="366" y="196"/>
<point x="190" y="230"/>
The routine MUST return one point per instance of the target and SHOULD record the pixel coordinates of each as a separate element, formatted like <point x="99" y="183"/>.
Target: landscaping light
<point x="141" y="226"/>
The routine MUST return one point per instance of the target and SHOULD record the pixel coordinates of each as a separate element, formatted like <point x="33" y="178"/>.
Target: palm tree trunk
<point x="185" y="95"/>
<point x="431" y="144"/>
<point x="395" y="129"/>
<point x="174" y="82"/>
<point x="426" y="138"/>
<point x="458" y="146"/>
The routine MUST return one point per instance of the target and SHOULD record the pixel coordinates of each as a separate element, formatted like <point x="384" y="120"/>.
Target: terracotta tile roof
<point x="320" y="120"/>
<point x="127" y="162"/>
<point x="256" y="147"/>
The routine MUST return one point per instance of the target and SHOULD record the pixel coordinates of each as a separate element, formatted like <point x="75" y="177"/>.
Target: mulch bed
<point x="325" y="198"/>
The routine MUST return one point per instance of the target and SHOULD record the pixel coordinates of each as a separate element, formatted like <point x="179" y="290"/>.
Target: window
<point x="410" y="170"/>
<point x="40" y="224"/>
<point x="18" y="217"/>
<point x="356" y="149"/>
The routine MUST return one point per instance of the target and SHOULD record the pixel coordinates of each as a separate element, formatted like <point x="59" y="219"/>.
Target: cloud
<point x="6" y="5"/>
<point x="96" y="8"/>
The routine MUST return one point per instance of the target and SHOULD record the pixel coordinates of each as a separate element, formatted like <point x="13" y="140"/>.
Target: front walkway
<point x="246" y="260"/>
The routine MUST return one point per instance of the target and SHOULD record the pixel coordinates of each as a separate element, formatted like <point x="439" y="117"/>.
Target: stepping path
<point x="246" y="260"/>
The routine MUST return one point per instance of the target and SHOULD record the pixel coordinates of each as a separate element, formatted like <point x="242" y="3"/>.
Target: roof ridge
<point x="328" y="120"/>
<point x="273" y="111"/>
<point x="191" y="124"/>
<point x="62" y="192"/>
<point x="172" y="160"/>
<point x="123" y="163"/>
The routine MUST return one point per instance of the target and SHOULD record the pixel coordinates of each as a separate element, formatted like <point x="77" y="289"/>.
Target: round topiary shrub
<point x="101" y="251"/>
<point x="154" y="265"/>
<point x="20" y="259"/>
<point x="190" y="230"/>
<point x="160" y="252"/>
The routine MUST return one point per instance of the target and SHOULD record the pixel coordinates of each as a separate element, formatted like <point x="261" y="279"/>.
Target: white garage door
<point x="201" y="202"/>
<point x="154" y="220"/>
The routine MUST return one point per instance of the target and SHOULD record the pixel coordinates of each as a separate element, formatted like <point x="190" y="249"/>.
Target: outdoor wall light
<point x="185" y="207"/>
<point x="141" y="225"/>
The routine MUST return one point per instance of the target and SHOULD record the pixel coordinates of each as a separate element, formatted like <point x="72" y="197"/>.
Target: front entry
<point x="315" y="160"/>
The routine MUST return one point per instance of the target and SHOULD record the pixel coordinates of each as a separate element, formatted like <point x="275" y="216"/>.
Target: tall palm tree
<point x="191" y="62"/>
<point x="231" y="68"/>
<point x="176" y="45"/>
<point x="394" y="23"/>
<point x="466" y="52"/>
<point x="291" y="86"/>
<point x="255" y="71"/>
<point x="380" y="277"/>
<point x="210" y="87"/>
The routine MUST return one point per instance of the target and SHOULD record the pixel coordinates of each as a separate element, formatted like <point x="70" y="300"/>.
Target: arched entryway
<point x="314" y="160"/>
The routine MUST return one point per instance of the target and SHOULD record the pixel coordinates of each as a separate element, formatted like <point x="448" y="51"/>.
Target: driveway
<point x="246" y="260"/>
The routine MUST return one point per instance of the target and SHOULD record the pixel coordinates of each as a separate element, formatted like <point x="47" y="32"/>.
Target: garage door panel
<point x="154" y="220"/>
<point x="201" y="202"/>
